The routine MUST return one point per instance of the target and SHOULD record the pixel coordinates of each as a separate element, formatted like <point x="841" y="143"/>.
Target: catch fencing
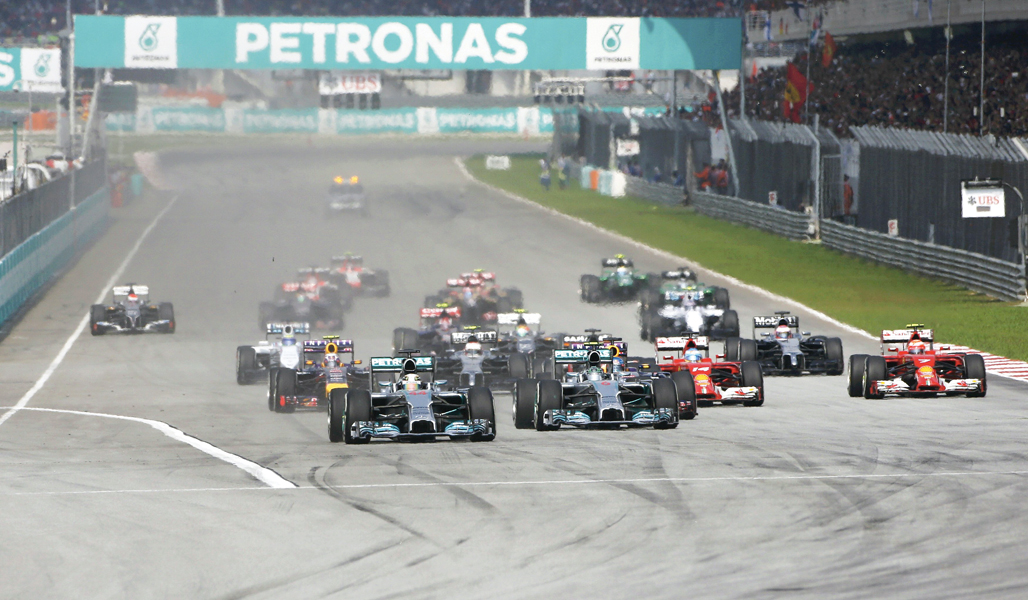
<point x="909" y="180"/>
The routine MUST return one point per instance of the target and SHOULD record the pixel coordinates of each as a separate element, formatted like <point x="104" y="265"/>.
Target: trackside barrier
<point x="660" y="193"/>
<point x="786" y="223"/>
<point x="978" y="272"/>
<point x="33" y="263"/>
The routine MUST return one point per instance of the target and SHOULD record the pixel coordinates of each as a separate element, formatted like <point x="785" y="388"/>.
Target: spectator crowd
<point x="896" y="84"/>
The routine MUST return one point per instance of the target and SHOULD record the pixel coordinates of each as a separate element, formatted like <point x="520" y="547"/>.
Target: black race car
<point x="131" y="311"/>
<point x="325" y="365"/>
<point x="786" y="350"/>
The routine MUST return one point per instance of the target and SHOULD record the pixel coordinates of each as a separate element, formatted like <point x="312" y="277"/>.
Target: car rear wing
<point x="480" y="275"/>
<point x="274" y="328"/>
<point x="342" y="346"/>
<point x="616" y="347"/>
<point x="687" y="274"/>
<point x="357" y="260"/>
<point x="679" y="295"/>
<point x="514" y="318"/>
<point x="578" y="357"/>
<point x="485" y="336"/>
<point x="437" y="313"/>
<point x="314" y="271"/>
<point x="902" y="336"/>
<point x="682" y="343"/>
<point x="616" y="262"/>
<point x="792" y="321"/>
<point x="122" y="291"/>
<point x="386" y="364"/>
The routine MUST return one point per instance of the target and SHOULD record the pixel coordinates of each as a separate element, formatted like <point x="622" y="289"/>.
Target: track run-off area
<point x="136" y="467"/>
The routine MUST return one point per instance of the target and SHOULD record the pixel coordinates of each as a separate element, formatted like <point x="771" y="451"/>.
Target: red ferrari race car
<point x="349" y="270"/>
<point x="911" y="366"/>
<point x="688" y="360"/>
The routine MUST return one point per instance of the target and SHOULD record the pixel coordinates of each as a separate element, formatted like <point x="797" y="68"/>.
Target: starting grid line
<point x="543" y="482"/>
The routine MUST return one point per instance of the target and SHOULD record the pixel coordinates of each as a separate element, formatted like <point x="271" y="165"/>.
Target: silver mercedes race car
<point x="594" y="395"/>
<point x="409" y="405"/>
<point x="131" y="311"/>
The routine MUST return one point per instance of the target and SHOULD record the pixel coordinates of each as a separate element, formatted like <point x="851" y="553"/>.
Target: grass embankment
<point x="867" y="295"/>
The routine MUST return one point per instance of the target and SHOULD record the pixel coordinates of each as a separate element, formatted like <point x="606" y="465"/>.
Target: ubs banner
<point x="406" y="43"/>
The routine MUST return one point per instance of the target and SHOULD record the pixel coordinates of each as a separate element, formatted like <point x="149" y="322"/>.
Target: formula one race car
<point x="312" y="300"/>
<point x="473" y="360"/>
<point x="325" y="365"/>
<point x="618" y="282"/>
<point x="254" y="362"/>
<point x="688" y="360"/>
<point x="433" y="333"/>
<point x="786" y="350"/>
<point x="684" y="314"/>
<point x="411" y="406"/>
<point x="911" y="366"/>
<point x="347" y="195"/>
<point x="478" y="296"/>
<point x="131" y="311"/>
<point x="526" y="347"/>
<point x="594" y="395"/>
<point x="682" y="279"/>
<point x="348" y="270"/>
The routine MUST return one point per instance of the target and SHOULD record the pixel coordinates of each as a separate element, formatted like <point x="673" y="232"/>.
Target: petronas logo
<point x="612" y="39"/>
<point x="42" y="66"/>
<point x="148" y="41"/>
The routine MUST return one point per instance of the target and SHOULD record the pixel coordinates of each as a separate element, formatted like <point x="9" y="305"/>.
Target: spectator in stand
<point x="679" y="181"/>
<point x="720" y="177"/>
<point x="703" y="177"/>
<point x="657" y="175"/>
<point x="847" y="202"/>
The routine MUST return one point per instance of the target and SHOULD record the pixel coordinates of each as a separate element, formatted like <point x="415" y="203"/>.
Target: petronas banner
<point x="598" y="43"/>
<point x="30" y="70"/>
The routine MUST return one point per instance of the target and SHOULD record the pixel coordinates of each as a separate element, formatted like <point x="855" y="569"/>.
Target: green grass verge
<point x="867" y="295"/>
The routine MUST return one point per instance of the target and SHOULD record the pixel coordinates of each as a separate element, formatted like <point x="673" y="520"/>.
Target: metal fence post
<point x="815" y="174"/>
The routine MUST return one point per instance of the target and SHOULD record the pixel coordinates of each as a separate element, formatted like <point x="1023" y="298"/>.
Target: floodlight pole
<point x="981" y="85"/>
<point x="945" y="99"/>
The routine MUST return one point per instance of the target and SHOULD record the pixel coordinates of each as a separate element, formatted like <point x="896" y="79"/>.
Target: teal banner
<point x="477" y="120"/>
<point x="120" y="121"/>
<point x="389" y="120"/>
<point x="280" y="121"/>
<point x="30" y="70"/>
<point x="375" y="43"/>
<point x="188" y="119"/>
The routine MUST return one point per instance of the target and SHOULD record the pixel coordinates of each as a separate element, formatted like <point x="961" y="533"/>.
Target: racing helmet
<point x="916" y="346"/>
<point x="473" y="347"/>
<point x="618" y="364"/>
<point x="594" y="374"/>
<point x="522" y="330"/>
<point x="331" y="359"/>
<point x="411" y="382"/>
<point x="132" y="297"/>
<point x="288" y="337"/>
<point x="782" y="332"/>
<point x="693" y="355"/>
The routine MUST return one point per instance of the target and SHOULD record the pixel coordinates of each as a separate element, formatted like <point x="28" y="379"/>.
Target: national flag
<point x="815" y="30"/>
<point x="829" y="50"/>
<point x="797" y="6"/>
<point x="753" y="73"/>
<point x="767" y="26"/>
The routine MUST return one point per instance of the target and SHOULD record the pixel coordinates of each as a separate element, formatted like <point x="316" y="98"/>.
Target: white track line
<point x="664" y="254"/>
<point x="262" y="474"/>
<point x="549" y="482"/>
<point x="85" y="319"/>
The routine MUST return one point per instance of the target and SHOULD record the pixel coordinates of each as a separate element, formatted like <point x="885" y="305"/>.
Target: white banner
<point x="980" y="201"/>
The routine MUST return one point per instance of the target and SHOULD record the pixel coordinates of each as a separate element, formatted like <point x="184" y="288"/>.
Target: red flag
<point x="796" y="89"/>
<point x="829" y="51"/>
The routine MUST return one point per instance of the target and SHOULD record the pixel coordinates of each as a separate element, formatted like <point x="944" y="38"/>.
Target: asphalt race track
<point x="813" y="495"/>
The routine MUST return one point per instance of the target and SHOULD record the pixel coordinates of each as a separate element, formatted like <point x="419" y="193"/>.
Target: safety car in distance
<point x="618" y="281"/>
<point x="911" y="366"/>
<point x="593" y="395"/>
<point x="324" y="365"/>
<point x="254" y="362"/>
<point x="787" y="350"/>
<point x="347" y="195"/>
<point x="408" y="404"/>
<point x="348" y="270"/>
<point x="131" y="311"/>
<point x="687" y="360"/>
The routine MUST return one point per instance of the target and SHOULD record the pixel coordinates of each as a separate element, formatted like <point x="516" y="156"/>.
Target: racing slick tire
<point x="856" y="380"/>
<point x="166" y="312"/>
<point x="336" y="414"/>
<point x="518" y="365"/>
<point x="404" y="339"/>
<point x="974" y="368"/>
<point x="686" y="391"/>
<point x="833" y="351"/>
<point x="549" y="396"/>
<point x="246" y="363"/>
<point x="97" y="313"/>
<point x="480" y="406"/>
<point x="730" y="323"/>
<point x="732" y="349"/>
<point x="358" y="408"/>
<point x="721" y="299"/>
<point x="272" y="388"/>
<point x="665" y="395"/>
<point x="874" y="370"/>
<point x="752" y="375"/>
<point x="544" y="368"/>
<point x="590" y="288"/>
<point x="523" y="403"/>
<point x="747" y="350"/>
<point x="285" y="385"/>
